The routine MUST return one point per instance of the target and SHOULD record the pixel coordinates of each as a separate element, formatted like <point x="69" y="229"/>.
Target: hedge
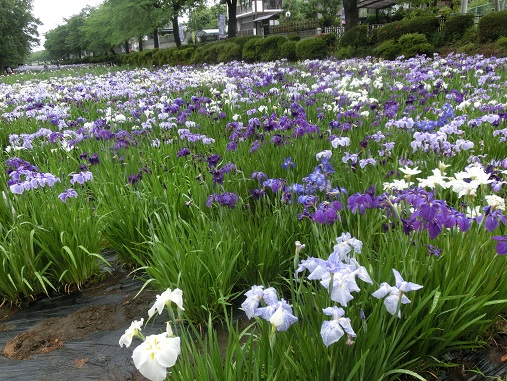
<point x="356" y="36"/>
<point x="391" y="31"/>
<point x="427" y="25"/>
<point x="492" y="26"/>
<point x="456" y="26"/>
<point x="311" y="48"/>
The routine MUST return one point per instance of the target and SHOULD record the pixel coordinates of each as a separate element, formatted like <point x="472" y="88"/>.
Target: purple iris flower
<point x="69" y="193"/>
<point x="225" y="199"/>
<point x="287" y="163"/>
<point x="501" y="245"/>
<point x="81" y="177"/>
<point x="492" y="218"/>
<point x="183" y="152"/>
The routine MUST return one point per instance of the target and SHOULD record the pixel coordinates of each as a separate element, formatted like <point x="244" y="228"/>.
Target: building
<point x="255" y="16"/>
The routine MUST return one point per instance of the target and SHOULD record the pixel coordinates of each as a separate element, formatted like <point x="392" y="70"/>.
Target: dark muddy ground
<point x="75" y="337"/>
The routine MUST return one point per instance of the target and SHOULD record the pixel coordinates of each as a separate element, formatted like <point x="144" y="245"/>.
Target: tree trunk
<point x="232" y="22"/>
<point x="140" y="42"/>
<point x="156" y="43"/>
<point x="464" y="6"/>
<point x="351" y="13"/>
<point x="127" y="47"/>
<point x="176" y="30"/>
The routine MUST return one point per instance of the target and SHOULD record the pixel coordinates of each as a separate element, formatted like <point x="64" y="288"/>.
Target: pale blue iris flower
<point x="395" y="294"/>
<point x="333" y="330"/>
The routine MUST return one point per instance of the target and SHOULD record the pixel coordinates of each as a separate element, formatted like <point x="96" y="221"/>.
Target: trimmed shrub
<point x="242" y="40"/>
<point x="133" y="58"/>
<point x="427" y="25"/>
<point x="456" y="26"/>
<point x="356" y="36"/>
<point x="346" y="52"/>
<point x="501" y="43"/>
<point x="146" y="57"/>
<point x="228" y="51"/>
<point x="471" y="36"/>
<point x="182" y="56"/>
<point x="469" y="48"/>
<point x="311" y="48"/>
<point x="220" y="51"/>
<point x="163" y="56"/>
<point x="391" y="31"/>
<point x="251" y="50"/>
<point x="288" y="50"/>
<point x="269" y="48"/>
<point x="388" y="50"/>
<point x="294" y="37"/>
<point x="413" y="44"/>
<point x="492" y="26"/>
<point x="331" y="40"/>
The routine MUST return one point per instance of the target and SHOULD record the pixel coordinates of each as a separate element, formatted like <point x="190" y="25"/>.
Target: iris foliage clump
<point x="358" y="205"/>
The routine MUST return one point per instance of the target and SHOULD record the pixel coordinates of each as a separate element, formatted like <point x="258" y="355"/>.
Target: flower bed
<point x="332" y="187"/>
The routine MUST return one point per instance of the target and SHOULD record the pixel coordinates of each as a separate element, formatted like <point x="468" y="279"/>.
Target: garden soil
<point x="75" y="337"/>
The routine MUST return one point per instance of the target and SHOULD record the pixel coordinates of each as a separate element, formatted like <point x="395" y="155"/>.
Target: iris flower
<point x="155" y="355"/>
<point x="165" y="299"/>
<point x="130" y="332"/>
<point x="395" y="294"/>
<point x="333" y="330"/>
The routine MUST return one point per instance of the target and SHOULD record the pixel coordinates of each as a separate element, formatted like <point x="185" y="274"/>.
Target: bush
<point x="146" y="57"/>
<point x="413" y="44"/>
<point x="228" y="51"/>
<point x="331" y="40"/>
<point x="220" y="51"/>
<point x="492" y="26"/>
<point x="182" y="56"/>
<point x="242" y="40"/>
<point x="427" y="25"/>
<point x="133" y="58"/>
<point x="469" y="49"/>
<point x="388" y="50"/>
<point x="294" y="37"/>
<point x="501" y="43"/>
<point x="391" y="31"/>
<point x="346" y="52"/>
<point x="251" y="50"/>
<point x="269" y="48"/>
<point x="312" y="48"/>
<point x="288" y="50"/>
<point x="356" y="36"/>
<point x="163" y="56"/>
<point x="456" y="26"/>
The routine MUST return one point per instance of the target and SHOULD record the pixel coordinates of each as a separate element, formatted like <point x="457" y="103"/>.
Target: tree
<point x="351" y="13"/>
<point x="232" y="23"/>
<point x="75" y="40"/>
<point x="55" y="43"/>
<point x="97" y="30"/>
<point x="329" y="9"/>
<point x="136" y="18"/>
<point x="18" y="31"/>
<point x="204" y="17"/>
<point x="300" y="10"/>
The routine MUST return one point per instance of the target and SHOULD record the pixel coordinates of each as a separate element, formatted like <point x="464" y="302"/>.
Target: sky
<point x="52" y="13"/>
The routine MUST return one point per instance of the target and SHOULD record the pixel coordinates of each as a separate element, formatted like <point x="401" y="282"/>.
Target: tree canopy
<point x="18" y="31"/>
